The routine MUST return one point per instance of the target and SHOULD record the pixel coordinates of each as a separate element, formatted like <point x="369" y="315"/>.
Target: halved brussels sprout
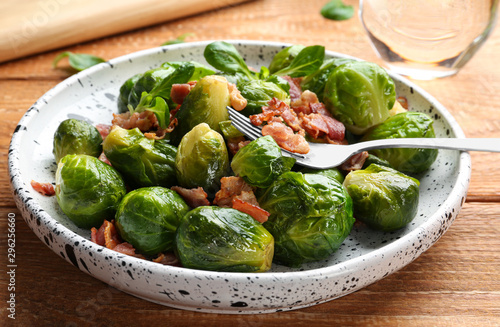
<point x="383" y="198"/>
<point x="75" y="136"/>
<point x="88" y="190"/>
<point x="258" y="93"/>
<point x="223" y="239"/>
<point x="142" y="161"/>
<point x="205" y="103"/>
<point x="148" y="217"/>
<point x="260" y="162"/>
<point x="360" y="95"/>
<point x="405" y="125"/>
<point x="202" y="159"/>
<point x="311" y="215"/>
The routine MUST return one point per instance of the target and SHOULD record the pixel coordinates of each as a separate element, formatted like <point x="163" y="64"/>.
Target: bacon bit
<point x="286" y="138"/>
<point x="256" y="212"/>
<point x="236" y="143"/>
<point x="180" y="91"/>
<point x="238" y="102"/>
<point x="103" y="129"/>
<point x="194" y="197"/>
<point x="107" y="236"/>
<point x="295" y="88"/>
<point x="104" y="159"/>
<point x="46" y="189"/>
<point x="230" y="187"/>
<point x="145" y="120"/>
<point x="403" y="102"/>
<point x="355" y="162"/>
<point x="168" y="259"/>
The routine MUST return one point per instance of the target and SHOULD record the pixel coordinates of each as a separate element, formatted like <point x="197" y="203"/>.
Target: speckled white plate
<point x="365" y="257"/>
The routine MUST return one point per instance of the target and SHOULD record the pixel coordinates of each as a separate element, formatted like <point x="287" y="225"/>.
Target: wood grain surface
<point x="455" y="283"/>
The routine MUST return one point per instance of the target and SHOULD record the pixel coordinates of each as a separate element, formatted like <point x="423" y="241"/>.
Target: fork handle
<point x="463" y="144"/>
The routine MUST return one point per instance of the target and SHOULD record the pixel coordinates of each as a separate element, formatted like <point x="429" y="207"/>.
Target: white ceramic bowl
<point x="365" y="257"/>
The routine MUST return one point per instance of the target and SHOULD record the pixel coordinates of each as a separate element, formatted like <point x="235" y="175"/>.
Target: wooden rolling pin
<point x="32" y="26"/>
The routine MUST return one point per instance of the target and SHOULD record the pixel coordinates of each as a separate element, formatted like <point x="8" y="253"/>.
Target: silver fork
<point x="322" y="156"/>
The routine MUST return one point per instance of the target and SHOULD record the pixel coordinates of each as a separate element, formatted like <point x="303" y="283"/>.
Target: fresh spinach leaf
<point x="78" y="61"/>
<point x="337" y="10"/>
<point x="224" y="57"/>
<point x="306" y="62"/>
<point x="180" y="39"/>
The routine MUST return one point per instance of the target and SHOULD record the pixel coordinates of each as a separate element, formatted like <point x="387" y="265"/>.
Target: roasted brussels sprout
<point x="202" y="159"/>
<point x="125" y="90"/>
<point x="383" y="198"/>
<point x="333" y="173"/>
<point x="283" y="58"/>
<point x="360" y="95"/>
<point x="88" y="190"/>
<point x="258" y="93"/>
<point x="75" y="136"/>
<point x="373" y="159"/>
<point x="223" y="239"/>
<point x="260" y="162"/>
<point x="205" y="103"/>
<point x="148" y="217"/>
<point x="316" y="81"/>
<point x="142" y="161"/>
<point x="405" y="125"/>
<point x="310" y="216"/>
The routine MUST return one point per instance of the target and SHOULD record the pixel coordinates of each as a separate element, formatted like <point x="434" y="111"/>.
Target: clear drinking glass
<point x="426" y="39"/>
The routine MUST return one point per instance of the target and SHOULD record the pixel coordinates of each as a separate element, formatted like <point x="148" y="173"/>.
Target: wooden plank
<point x="28" y="27"/>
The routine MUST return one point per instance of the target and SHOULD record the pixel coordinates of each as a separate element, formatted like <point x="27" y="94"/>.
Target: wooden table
<point x="455" y="283"/>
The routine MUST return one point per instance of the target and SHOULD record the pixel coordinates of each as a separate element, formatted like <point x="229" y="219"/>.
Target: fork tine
<point x="243" y="124"/>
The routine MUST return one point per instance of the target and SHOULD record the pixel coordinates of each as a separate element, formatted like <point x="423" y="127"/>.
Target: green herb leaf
<point x="179" y="39"/>
<point x="337" y="10"/>
<point x="78" y="61"/>
<point x="306" y="62"/>
<point x="224" y="57"/>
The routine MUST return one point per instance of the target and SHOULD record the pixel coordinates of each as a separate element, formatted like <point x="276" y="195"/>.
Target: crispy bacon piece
<point x="107" y="236"/>
<point x="255" y="211"/>
<point x="145" y="120"/>
<point x="295" y="88"/>
<point x="355" y="162"/>
<point x="43" y="188"/>
<point x="103" y="129"/>
<point x="168" y="259"/>
<point x="286" y="138"/>
<point x="104" y="159"/>
<point x="237" y="194"/>
<point x="403" y="102"/>
<point x="230" y="187"/>
<point x="180" y="91"/>
<point x="194" y="197"/>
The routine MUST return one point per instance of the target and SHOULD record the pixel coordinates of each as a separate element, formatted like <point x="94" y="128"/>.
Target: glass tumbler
<point x="427" y="39"/>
